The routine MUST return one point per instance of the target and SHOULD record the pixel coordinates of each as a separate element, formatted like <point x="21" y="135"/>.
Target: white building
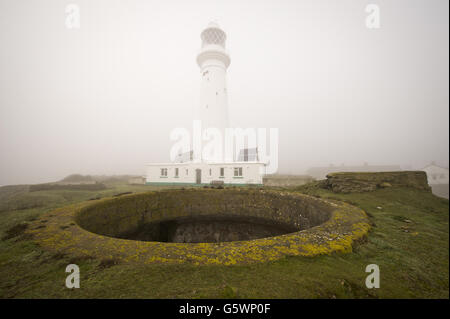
<point x="236" y="173"/>
<point x="195" y="168"/>
<point x="436" y="175"/>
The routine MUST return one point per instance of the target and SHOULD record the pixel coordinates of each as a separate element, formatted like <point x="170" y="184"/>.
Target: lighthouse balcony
<point x="213" y="52"/>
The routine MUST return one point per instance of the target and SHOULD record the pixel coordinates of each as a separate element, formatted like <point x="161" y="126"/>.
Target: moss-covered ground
<point x="409" y="240"/>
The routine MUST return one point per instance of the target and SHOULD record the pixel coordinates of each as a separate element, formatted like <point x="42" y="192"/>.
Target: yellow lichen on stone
<point x="345" y="225"/>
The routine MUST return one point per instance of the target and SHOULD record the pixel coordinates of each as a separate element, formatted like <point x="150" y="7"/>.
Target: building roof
<point x="199" y="163"/>
<point x="213" y="24"/>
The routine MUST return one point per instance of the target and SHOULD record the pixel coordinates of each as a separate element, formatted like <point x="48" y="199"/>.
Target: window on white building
<point x="222" y="172"/>
<point x="187" y="171"/>
<point x="237" y="171"/>
<point x="176" y="172"/>
<point x="210" y="172"/>
<point x="163" y="171"/>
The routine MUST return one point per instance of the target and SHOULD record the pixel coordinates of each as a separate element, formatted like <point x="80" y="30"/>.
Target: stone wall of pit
<point x="126" y="214"/>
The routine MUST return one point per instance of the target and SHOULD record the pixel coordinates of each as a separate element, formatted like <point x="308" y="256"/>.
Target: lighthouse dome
<point x="213" y="34"/>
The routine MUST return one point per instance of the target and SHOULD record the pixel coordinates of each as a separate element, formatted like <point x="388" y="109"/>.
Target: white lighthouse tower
<point x="196" y="167"/>
<point x="213" y="61"/>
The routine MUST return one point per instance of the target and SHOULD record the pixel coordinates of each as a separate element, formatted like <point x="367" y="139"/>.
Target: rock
<point x="354" y="182"/>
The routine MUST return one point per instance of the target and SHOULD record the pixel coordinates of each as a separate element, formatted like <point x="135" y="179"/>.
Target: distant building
<point x="137" y="180"/>
<point x="437" y="175"/>
<point x="321" y="172"/>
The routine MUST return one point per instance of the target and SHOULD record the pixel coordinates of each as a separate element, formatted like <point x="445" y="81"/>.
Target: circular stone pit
<point x="210" y="216"/>
<point x="203" y="226"/>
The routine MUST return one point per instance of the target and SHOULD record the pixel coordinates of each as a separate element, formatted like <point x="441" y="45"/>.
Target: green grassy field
<point x="409" y="241"/>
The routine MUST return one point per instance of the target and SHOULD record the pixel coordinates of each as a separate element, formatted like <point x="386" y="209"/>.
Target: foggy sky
<point x="103" y="99"/>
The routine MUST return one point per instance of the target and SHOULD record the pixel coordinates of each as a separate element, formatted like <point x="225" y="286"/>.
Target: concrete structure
<point x="136" y="180"/>
<point x="322" y="172"/>
<point x="436" y="175"/>
<point x="193" y="167"/>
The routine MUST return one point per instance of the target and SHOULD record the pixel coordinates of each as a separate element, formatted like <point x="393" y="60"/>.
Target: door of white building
<point x="198" y="176"/>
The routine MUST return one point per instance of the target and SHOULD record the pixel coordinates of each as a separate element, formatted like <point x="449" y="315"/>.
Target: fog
<point x="102" y="99"/>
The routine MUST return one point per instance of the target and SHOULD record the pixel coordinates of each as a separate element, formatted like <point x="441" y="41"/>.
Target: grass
<point x="409" y="241"/>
